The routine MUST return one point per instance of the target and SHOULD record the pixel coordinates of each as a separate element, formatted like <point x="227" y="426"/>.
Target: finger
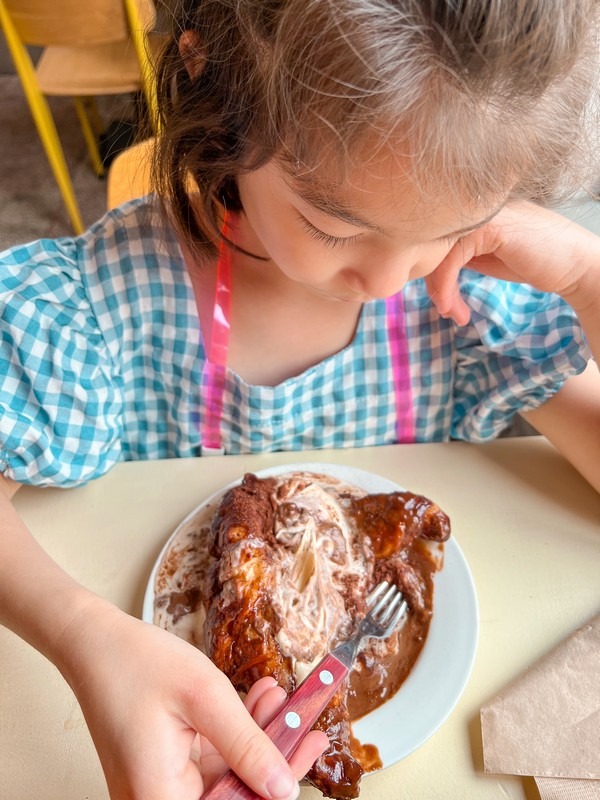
<point x="263" y="701"/>
<point x="219" y="714"/>
<point x="268" y="704"/>
<point x="442" y="284"/>
<point x="168" y="768"/>
<point x="257" y="691"/>
<point x="490" y="264"/>
<point x="447" y="299"/>
<point x="191" y="783"/>
<point x="212" y="767"/>
<point x="311" y="747"/>
<point x="264" y="707"/>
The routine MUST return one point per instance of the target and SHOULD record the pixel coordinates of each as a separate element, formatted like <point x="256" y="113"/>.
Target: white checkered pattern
<point x="101" y="356"/>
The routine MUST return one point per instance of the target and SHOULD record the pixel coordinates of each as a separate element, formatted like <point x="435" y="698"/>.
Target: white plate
<point x="440" y="674"/>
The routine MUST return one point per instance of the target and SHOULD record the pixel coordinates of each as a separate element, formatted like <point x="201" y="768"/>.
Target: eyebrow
<point x="474" y="226"/>
<point x="335" y="208"/>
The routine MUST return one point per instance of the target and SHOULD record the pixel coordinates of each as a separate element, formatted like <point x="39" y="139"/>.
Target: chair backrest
<point x="129" y="175"/>
<point x="73" y="22"/>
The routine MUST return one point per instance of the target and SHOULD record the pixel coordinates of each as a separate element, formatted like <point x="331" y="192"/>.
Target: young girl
<point x="349" y="157"/>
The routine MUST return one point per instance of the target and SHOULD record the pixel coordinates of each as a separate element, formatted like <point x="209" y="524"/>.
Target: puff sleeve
<point x="517" y="351"/>
<point x="60" y="397"/>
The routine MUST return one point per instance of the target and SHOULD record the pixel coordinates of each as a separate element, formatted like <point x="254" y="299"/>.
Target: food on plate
<point x="278" y="574"/>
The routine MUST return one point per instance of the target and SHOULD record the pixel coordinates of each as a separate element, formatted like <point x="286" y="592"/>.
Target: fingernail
<point x="282" y="786"/>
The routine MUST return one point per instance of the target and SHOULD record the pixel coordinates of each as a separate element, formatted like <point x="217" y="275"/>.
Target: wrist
<point x="583" y="293"/>
<point x="82" y="636"/>
<point x="38" y="599"/>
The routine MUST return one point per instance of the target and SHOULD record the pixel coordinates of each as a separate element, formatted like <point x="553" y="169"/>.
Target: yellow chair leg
<point x="42" y="118"/>
<point x="89" y="136"/>
<point x="94" y="116"/>
<point x="140" y="42"/>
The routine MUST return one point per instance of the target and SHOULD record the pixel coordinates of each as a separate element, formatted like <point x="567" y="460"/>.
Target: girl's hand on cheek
<point x="146" y="694"/>
<point x="525" y="244"/>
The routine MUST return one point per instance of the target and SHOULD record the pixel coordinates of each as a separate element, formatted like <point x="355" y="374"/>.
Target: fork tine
<point x="400" y="612"/>
<point x="376" y="594"/>
<point x="389" y="610"/>
<point x="383" y="602"/>
<point x="386" y="609"/>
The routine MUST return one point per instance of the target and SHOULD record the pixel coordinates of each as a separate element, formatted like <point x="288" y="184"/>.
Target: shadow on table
<point x="546" y="472"/>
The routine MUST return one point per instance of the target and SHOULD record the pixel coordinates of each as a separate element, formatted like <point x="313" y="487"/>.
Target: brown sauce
<point x="181" y="603"/>
<point x="377" y="677"/>
<point x="396" y="528"/>
<point x="367" y="755"/>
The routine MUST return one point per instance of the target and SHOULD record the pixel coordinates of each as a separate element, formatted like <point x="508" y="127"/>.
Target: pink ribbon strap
<point x="405" y="424"/>
<point x="216" y="347"/>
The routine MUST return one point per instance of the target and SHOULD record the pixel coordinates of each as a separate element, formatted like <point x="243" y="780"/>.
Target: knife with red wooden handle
<point x="291" y="724"/>
<point x="303" y="707"/>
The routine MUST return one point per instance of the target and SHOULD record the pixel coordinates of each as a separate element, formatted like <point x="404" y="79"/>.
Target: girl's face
<point x="365" y="241"/>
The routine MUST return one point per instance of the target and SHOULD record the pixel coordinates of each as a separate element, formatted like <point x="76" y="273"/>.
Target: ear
<point x="192" y="53"/>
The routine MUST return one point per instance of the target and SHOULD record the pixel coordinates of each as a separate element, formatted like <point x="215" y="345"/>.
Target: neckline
<point x="220" y="327"/>
<point x="318" y="366"/>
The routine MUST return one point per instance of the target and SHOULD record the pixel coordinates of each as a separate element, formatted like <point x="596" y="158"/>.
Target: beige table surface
<point x="528" y="525"/>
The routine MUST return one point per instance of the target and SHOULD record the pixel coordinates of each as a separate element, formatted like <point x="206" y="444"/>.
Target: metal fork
<point x="386" y="607"/>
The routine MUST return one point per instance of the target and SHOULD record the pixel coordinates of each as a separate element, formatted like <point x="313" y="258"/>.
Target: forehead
<point x="382" y="190"/>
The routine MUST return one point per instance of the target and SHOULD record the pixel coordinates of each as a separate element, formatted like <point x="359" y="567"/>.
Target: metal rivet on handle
<point x="292" y="720"/>
<point x="326" y="677"/>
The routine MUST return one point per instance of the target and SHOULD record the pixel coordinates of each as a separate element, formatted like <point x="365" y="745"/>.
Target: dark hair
<point x="484" y="97"/>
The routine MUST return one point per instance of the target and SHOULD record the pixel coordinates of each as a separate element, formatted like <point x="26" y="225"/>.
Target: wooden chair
<point x="98" y="47"/>
<point x="129" y="174"/>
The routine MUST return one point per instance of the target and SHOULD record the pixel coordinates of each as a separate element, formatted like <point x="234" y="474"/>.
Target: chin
<point x="341" y="296"/>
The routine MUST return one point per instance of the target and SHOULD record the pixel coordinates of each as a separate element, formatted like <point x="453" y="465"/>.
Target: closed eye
<point x="326" y="238"/>
<point x="450" y="240"/>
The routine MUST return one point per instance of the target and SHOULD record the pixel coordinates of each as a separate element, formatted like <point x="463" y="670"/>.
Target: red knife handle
<point x="291" y="724"/>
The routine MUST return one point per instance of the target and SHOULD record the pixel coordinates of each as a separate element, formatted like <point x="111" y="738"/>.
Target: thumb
<point x="224" y="720"/>
<point x="442" y="284"/>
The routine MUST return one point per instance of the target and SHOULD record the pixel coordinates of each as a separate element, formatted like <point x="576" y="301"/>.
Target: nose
<point x="381" y="277"/>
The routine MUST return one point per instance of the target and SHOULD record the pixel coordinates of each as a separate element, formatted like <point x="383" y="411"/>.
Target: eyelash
<point x="327" y="239"/>
<point x="338" y="241"/>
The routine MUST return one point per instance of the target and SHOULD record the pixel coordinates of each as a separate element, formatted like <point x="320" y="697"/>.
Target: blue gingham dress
<point x="101" y="358"/>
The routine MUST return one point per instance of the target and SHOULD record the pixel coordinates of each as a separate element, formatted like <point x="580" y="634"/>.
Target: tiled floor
<point x="30" y="204"/>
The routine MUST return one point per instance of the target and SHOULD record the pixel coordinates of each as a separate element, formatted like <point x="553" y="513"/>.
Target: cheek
<point x="428" y="262"/>
<point x="278" y="234"/>
<point x="299" y="259"/>
<point x="296" y="254"/>
<point x="289" y="248"/>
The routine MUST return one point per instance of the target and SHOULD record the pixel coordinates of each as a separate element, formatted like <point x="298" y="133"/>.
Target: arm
<point x="529" y="244"/>
<point x="571" y="421"/>
<point x="143" y="725"/>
